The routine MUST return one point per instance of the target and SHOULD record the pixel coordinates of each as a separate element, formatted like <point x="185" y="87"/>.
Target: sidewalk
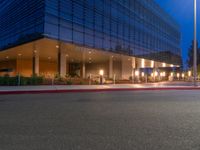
<point x="96" y="88"/>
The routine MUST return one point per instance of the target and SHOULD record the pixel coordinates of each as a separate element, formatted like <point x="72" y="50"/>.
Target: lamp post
<point x="101" y="73"/>
<point x="195" y="44"/>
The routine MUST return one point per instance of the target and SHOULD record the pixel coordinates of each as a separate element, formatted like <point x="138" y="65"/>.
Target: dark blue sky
<point x="182" y="12"/>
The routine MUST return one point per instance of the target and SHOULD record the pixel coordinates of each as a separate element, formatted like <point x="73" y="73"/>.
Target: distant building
<point x="85" y="36"/>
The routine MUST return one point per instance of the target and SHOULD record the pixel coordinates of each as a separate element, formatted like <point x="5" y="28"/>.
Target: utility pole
<point x="195" y="44"/>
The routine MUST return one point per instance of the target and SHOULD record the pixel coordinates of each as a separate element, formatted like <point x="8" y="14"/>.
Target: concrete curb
<point x="95" y="90"/>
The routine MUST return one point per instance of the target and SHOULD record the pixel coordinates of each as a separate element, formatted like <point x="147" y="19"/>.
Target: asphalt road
<point x="151" y="120"/>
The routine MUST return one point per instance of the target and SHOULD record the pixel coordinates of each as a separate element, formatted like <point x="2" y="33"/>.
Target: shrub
<point x="34" y="80"/>
<point x="69" y="82"/>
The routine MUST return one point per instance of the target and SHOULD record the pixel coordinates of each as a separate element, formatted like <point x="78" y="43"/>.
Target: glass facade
<point x="21" y="21"/>
<point x="137" y="28"/>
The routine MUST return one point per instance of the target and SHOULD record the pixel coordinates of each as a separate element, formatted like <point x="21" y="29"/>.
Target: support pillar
<point x="36" y="63"/>
<point x="83" y="70"/>
<point x="62" y="61"/>
<point x="63" y="65"/>
<point x="133" y="68"/>
<point x="126" y="68"/>
<point x="110" y="67"/>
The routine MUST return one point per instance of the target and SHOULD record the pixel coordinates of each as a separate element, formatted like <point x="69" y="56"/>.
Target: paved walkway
<point x="96" y="88"/>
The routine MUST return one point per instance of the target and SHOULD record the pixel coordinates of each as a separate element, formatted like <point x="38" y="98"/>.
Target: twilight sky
<point x="182" y="12"/>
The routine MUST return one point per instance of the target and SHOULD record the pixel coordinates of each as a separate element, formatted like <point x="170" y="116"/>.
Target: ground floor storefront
<point x="49" y="59"/>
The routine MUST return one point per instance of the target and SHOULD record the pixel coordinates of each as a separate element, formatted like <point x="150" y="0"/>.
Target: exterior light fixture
<point x="164" y="74"/>
<point x="151" y="74"/>
<point x="171" y="74"/>
<point x="19" y="54"/>
<point x="189" y="73"/>
<point x="142" y="74"/>
<point x="152" y="64"/>
<point x="163" y="64"/>
<point x="137" y="73"/>
<point x="183" y="75"/>
<point x="156" y="73"/>
<point x="178" y="75"/>
<point x="57" y="46"/>
<point x="101" y="72"/>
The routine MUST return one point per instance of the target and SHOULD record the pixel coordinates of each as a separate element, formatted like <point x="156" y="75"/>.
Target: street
<point x="132" y="120"/>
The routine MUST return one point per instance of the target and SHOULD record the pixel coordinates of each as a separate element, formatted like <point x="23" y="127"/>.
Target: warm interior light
<point x="101" y="72"/>
<point x="189" y="73"/>
<point x="142" y="74"/>
<point x="143" y="63"/>
<point x="137" y="73"/>
<point x="178" y="75"/>
<point x="152" y="64"/>
<point x="164" y="64"/>
<point x="183" y="75"/>
<point x="164" y="74"/>
<point x="171" y="65"/>
<point x="156" y="73"/>
<point x="172" y="74"/>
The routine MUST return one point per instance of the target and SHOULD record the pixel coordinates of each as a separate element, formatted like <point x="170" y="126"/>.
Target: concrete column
<point x="63" y="64"/>
<point x="126" y="67"/>
<point x="36" y="63"/>
<point x="83" y="66"/>
<point x="133" y="67"/>
<point x="62" y="60"/>
<point x="83" y="70"/>
<point x="110" y="67"/>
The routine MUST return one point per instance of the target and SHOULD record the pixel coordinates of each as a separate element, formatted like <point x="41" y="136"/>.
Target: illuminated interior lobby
<point x="47" y="57"/>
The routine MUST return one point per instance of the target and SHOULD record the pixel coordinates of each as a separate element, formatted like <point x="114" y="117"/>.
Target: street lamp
<point x="195" y="44"/>
<point x="101" y="73"/>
